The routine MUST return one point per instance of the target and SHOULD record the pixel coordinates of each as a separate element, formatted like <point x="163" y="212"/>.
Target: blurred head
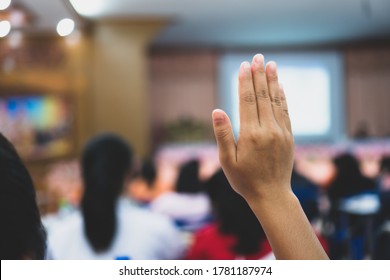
<point x="148" y="172"/>
<point x="106" y="164"/>
<point x="234" y="216"/>
<point x="348" y="180"/>
<point x="384" y="178"/>
<point x="347" y="167"/>
<point x="22" y="233"/>
<point x="385" y="165"/>
<point x="188" y="180"/>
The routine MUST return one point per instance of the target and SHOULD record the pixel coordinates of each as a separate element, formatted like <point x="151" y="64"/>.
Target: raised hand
<point x="259" y="164"/>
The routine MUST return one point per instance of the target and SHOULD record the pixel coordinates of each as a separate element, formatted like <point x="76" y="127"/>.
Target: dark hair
<point x="349" y="180"/>
<point x="234" y="215"/>
<point x="188" y="180"/>
<point x="307" y="193"/>
<point x="385" y="164"/>
<point x="22" y="233"/>
<point x="148" y="172"/>
<point x="106" y="161"/>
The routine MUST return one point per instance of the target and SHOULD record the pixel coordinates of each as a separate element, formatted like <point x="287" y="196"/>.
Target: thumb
<point x="225" y="138"/>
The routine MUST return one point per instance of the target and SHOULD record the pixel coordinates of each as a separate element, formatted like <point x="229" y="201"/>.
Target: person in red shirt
<point x="236" y="233"/>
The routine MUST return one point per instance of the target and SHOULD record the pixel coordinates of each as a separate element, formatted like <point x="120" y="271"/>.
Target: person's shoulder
<point x="134" y="213"/>
<point x="61" y="232"/>
<point x="64" y="225"/>
<point x="165" y="198"/>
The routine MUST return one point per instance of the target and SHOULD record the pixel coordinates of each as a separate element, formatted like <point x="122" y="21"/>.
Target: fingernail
<point x="259" y="58"/>
<point x="246" y="67"/>
<point x="218" y="117"/>
<point x="272" y="67"/>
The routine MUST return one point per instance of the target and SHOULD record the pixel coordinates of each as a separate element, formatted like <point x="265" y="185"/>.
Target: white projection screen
<point x="313" y="84"/>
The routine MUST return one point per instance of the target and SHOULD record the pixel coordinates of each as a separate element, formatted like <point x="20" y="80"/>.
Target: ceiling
<point x="226" y="23"/>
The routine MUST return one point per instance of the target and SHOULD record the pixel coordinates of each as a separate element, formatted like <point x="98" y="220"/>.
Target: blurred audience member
<point x="382" y="248"/>
<point x="349" y="180"/>
<point x="22" y="233"/>
<point x="351" y="212"/>
<point x="382" y="244"/>
<point x="110" y="227"/>
<point x="384" y="189"/>
<point x="362" y="131"/>
<point x="64" y="182"/>
<point x="236" y="233"/>
<point x="149" y="172"/>
<point x="189" y="206"/>
<point x="143" y="188"/>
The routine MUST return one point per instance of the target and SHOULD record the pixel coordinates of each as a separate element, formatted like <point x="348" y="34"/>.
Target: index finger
<point x="247" y="97"/>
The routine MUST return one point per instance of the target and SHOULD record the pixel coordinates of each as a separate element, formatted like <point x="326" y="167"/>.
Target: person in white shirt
<point x="107" y="226"/>
<point x="188" y="205"/>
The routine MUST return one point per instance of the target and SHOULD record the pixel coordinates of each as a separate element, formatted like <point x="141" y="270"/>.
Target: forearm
<point x="287" y="228"/>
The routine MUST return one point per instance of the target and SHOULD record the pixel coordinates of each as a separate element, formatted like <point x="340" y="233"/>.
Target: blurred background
<point x="152" y="71"/>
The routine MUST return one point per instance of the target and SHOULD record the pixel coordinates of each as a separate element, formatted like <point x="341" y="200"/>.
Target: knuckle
<point x="252" y="137"/>
<point x="262" y="94"/>
<point x="285" y="111"/>
<point x="276" y="100"/>
<point x="272" y="77"/>
<point x="274" y="134"/>
<point x="222" y="133"/>
<point x="248" y="97"/>
<point x="260" y="69"/>
<point x="244" y="78"/>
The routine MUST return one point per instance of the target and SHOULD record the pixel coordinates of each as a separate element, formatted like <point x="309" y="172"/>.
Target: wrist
<point x="281" y="197"/>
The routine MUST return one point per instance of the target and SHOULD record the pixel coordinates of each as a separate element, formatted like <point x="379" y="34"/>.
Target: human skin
<point x="259" y="164"/>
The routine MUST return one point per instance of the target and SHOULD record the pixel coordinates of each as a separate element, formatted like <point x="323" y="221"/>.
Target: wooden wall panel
<point x="368" y="90"/>
<point x="182" y="85"/>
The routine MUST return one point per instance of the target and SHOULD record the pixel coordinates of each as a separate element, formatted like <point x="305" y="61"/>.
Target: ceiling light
<point x="4" y="4"/>
<point x="89" y="8"/>
<point x="65" y="27"/>
<point x="5" y="28"/>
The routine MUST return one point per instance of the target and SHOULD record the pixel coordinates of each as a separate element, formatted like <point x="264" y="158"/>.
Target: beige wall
<point x="183" y="84"/>
<point x="368" y="89"/>
<point x="119" y="80"/>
